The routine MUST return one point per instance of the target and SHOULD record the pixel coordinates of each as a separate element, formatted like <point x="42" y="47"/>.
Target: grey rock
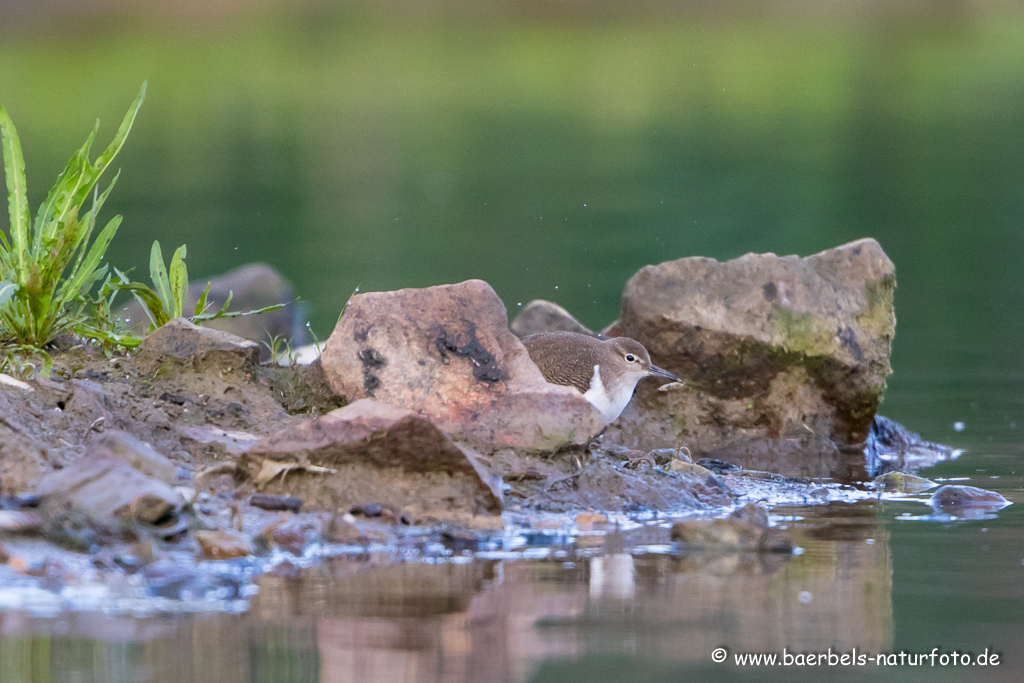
<point x="966" y="501"/>
<point x="186" y="341"/>
<point x="891" y="446"/>
<point x="785" y="350"/>
<point x="88" y="400"/>
<point x="107" y="491"/>
<point x="546" y="316"/>
<point x="223" y="544"/>
<point x="140" y="455"/>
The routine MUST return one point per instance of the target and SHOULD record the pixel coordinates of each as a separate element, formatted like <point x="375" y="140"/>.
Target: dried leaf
<point x="271" y="468"/>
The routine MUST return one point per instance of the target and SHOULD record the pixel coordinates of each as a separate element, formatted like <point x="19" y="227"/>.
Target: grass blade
<point x="84" y="277"/>
<point x="122" y="132"/>
<point x="158" y="274"/>
<point x="149" y="300"/>
<point x="60" y="201"/>
<point x="223" y="313"/>
<point x="79" y="176"/>
<point x="7" y="290"/>
<point x="201" y="304"/>
<point x="17" y="192"/>
<point x="179" y="280"/>
<point x="83" y="238"/>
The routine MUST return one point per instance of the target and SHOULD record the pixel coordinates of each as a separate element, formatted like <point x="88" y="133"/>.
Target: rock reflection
<point x="372" y="618"/>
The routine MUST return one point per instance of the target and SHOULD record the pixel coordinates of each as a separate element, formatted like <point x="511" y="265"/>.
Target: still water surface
<point x="553" y="154"/>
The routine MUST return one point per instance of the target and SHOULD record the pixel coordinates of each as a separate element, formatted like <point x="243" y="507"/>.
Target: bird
<point x="605" y="371"/>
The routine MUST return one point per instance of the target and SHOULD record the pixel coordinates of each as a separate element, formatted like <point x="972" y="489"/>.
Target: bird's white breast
<point x="609" y="404"/>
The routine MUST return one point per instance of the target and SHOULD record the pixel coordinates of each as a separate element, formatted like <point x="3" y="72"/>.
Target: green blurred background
<point x="554" y="147"/>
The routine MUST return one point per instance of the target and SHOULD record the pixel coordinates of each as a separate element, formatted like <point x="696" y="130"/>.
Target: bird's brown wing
<point x="558" y="367"/>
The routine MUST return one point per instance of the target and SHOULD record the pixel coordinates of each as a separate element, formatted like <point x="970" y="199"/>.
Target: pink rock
<point x="369" y="452"/>
<point x="446" y="353"/>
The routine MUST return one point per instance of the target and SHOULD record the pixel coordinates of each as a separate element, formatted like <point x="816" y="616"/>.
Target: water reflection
<point x="364" y="619"/>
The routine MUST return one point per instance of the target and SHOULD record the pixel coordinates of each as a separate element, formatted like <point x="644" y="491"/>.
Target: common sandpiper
<point x="604" y="370"/>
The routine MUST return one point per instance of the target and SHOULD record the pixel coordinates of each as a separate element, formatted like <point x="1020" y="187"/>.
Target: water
<point x="553" y="153"/>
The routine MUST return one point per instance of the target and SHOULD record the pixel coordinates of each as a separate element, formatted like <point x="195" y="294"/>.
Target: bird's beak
<point x="659" y="372"/>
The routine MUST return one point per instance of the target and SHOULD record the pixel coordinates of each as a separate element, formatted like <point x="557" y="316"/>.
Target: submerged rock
<point x="446" y="353"/>
<point x="785" y="350"/>
<point x="966" y="501"/>
<point x="902" y="482"/>
<point x="369" y="453"/>
<point x="546" y="316"/>
<point x="745" y="529"/>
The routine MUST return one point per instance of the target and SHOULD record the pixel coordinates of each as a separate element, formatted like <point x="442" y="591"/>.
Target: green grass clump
<point x="48" y="266"/>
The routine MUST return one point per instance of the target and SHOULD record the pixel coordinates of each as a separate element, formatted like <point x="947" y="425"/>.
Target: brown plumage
<point x="570" y="358"/>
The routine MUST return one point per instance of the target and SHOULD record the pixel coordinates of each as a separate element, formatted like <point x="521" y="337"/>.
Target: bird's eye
<point x="631" y="358"/>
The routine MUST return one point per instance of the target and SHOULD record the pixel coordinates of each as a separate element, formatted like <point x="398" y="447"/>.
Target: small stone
<point x="280" y="503"/>
<point x="221" y="544"/>
<point x="591" y="521"/>
<point x="902" y="482"/>
<point x="107" y="489"/>
<point x="342" y="532"/>
<point x="184" y="340"/>
<point x="955" y="499"/>
<point x="293" y="535"/>
<point x="140" y="455"/>
<point x="89" y="401"/>
<point x="745" y="529"/>
<point x="689" y="469"/>
<point x="718" y="466"/>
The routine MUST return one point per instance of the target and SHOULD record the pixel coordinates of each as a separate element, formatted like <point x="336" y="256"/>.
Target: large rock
<point x="785" y="350"/>
<point x="446" y="353"/>
<point x="369" y="453"/>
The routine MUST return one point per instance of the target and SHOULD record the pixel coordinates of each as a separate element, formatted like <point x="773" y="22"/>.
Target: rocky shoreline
<point x="426" y="419"/>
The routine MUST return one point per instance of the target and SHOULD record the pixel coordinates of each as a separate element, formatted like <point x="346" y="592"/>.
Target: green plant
<point x="280" y="348"/>
<point x="167" y="297"/>
<point x="48" y="266"/>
